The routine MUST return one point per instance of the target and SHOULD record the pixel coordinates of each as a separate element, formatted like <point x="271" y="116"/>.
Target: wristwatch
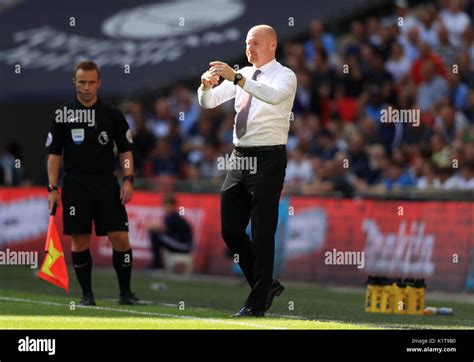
<point x="237" y="78"/>
<point x="129" y="178"/>
<point x="52" y="188"/>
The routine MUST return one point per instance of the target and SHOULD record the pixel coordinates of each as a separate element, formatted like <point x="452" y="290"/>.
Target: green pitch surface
<point x="27" y="302"/>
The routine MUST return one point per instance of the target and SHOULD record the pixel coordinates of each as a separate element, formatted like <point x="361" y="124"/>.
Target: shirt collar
<point x="80" y="105"/>
<point x="267" y="67"/>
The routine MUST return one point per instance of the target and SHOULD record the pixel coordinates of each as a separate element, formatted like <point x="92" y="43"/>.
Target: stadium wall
<point x="323" y="240"/>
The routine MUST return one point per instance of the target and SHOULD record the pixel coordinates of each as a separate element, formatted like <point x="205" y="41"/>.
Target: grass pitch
<point x="27" y="302"/>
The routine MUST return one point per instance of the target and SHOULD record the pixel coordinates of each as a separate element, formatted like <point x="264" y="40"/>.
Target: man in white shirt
<point x="455" y="21"/>
<point x="264" y="96"/>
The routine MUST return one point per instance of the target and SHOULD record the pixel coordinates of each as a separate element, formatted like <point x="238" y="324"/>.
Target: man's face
<point x="260" y="47"/>
<point x="87" y="84"/>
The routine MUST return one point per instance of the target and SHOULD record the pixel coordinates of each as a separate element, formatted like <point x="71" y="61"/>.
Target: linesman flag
<point x="54" y="269"/>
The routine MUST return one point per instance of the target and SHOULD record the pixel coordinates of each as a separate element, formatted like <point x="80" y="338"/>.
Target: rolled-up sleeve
<point x="284" y="87"/>
<point x="216" y="96"/>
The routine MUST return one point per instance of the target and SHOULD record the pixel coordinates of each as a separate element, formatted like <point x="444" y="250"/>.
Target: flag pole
<point x="51" y="221"/>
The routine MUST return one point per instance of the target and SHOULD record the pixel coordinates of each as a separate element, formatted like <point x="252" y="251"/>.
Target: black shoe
<point x="275" y="291"/>
<point x="87" y="300"/>
<point x="248" y="311"/>
<point x="130" y="299"/>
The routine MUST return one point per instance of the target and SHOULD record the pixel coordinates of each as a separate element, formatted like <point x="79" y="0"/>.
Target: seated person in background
<point x="173" y="232"/>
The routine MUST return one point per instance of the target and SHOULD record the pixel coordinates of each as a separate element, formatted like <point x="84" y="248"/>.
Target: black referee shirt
<point x="85" y="137"/>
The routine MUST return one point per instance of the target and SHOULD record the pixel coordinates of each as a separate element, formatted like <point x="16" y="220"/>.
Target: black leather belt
<point x="256" y="149"/>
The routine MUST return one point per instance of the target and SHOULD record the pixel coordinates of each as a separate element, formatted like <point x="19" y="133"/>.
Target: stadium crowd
<point x="419" y="59"/>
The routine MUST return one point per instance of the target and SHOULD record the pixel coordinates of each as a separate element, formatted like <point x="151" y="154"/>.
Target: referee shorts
<point x="92" y="198"/>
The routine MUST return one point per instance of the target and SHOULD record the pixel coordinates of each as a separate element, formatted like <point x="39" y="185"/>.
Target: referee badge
<point x="49" y="140"/>
<point x="129" y="136"/>
<point x="77" y="135"/>
<point x="103" y="138"/>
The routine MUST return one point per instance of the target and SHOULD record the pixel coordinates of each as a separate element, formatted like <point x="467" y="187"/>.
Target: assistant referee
<point x="82" y="136"/>
<point x="264" y="96"/>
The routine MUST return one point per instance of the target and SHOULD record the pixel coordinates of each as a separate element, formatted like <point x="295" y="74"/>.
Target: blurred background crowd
<point x="417" y="58"/>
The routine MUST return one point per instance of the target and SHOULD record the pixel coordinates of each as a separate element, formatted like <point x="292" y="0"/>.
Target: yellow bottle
<point x="387" y="297"/>
<point x="416" y="296"/>
<point x="368" y="294"/>
<point x="377" y="293"/>
<point x="399" y="298"/>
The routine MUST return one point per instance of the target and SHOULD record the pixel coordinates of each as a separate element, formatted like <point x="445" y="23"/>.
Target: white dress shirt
<point x="269" y="115"/>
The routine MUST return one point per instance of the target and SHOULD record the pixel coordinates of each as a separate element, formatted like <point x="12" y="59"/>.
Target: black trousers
<point x="253" y="195"/>
<point x="162" y="240"/>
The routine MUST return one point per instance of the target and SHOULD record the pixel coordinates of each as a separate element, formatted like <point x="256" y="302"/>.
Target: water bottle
<point x="438" y="311"/>
<point x="445" y="311"/>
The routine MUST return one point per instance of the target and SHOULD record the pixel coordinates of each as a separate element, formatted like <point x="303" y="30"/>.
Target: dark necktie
<point x="243" y="115"/>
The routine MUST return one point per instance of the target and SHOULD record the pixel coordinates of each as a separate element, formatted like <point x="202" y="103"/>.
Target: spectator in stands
<point x="175" y="138"/>
<point x="443" y="174"/>
<point x="133" y="109"/>
<point x="333" y="176"/>
<point x="404" y="18"/>
<point x="173" y="233"/>
<point x="398" y="64"/>
<point x="373" y="29"/>
<point x="450" y="124"/>
<point x="318" y="35"/>
<point x="441" y="151"/>
<point x="454" y="20"/>
<point x="324" y="79"/>
<point x="208" y="164"/>
<point x="428" y="180"/>
<point x="410" y="43"/>
<point x="356" y="38"/>
<point x="359" y="159"/>
<point x="368" y="129"/>
<point x="225" y="134"/>
<point x="461" y="180"/>
<point x="466" y="67"/>
<point x="11" y="172"/>
<point x="398" y="175"/>
<point x="185" y="108"/>
<point x="376" y="72"/>
<point x="469" y="109"/>
<point x="162" y="117"/>
<point x="303" y="92"/>
<point x="458" y="91"/>
<point x="163" y="161"/>
<point x="351" y="79"/>
<point x="299" y="169"/>
<point x="427" y="56"/>
<point x="445" y="49"/>
<point x="429" y="25"/>
<point x="143" y="144"/>
<point x="432" y="89"/>
<point x="325" y="146"/>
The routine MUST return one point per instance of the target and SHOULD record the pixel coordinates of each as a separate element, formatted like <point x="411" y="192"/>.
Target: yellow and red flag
<point x="54" y="269"/>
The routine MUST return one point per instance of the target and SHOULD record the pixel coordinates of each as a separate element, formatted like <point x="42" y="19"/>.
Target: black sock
<point x="82" y="262"/>
<point x="122" y="261"/>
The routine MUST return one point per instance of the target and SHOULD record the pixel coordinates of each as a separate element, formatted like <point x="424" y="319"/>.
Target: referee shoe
<point x="130" y="299"/>
<point x="87" y="300"/>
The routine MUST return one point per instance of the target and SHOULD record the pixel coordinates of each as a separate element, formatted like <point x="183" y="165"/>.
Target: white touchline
<point x="119" y="310"/>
